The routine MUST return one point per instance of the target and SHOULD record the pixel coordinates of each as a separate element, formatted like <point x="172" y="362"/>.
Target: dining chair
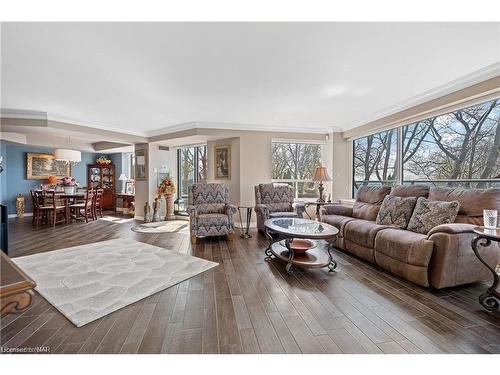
<point x="50" y="207"/>
<point x="98" y="202"/>
<point x="85" y="210"/>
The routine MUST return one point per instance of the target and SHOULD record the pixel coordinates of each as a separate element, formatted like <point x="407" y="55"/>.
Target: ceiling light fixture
<point x="70" y="156"/>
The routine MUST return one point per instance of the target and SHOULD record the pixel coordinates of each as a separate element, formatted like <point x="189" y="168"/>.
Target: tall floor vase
<point x="170" y="207"/>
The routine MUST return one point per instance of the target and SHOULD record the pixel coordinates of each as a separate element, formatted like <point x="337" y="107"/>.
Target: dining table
<point x="69" y="198"/>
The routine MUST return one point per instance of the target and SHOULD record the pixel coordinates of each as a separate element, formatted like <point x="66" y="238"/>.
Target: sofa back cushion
<point x="472" y="202"/>
<point x="429" y="214"/>
<point x="209" y="198"/>
<point x="396" y="211"/>
<point x="368" y="201"/>
<point x="278" y="198"/>
<point x="410" y="191"/>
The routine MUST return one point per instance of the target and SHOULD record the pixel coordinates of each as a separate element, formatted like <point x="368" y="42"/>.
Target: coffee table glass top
<point x="302" y="228"/>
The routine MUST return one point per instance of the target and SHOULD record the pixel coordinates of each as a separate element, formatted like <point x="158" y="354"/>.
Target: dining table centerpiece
<point x="167" y="189"/>
<point x="69" y="184"/>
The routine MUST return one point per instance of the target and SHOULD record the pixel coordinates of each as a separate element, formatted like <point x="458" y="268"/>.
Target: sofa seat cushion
<point x="363" y="232"/>
<point x="405" y="246"/>
<point x="338" y="221"/>
<point x="283" y="214"/>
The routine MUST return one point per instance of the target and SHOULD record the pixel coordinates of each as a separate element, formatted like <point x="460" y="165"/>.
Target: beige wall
<point x="251" y="162"/>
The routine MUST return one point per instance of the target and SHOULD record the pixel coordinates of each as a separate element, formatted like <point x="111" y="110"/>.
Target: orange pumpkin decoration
<point x="52" y="180"/>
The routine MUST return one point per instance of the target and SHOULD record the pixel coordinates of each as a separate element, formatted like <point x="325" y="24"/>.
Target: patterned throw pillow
<point x="429" y="214"/>
<point x="396" y="211"/>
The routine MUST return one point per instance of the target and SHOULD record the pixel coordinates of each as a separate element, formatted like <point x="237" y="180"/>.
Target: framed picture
<point x="141" y="165"/>
<point x="222" y="157"/>
<point x="41" y="166"/>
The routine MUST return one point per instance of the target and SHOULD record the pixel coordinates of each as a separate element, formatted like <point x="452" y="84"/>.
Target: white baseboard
<point x="12" y="216"/>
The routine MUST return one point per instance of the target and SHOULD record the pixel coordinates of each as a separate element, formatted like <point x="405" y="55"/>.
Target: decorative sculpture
<point x="156" y="214"/>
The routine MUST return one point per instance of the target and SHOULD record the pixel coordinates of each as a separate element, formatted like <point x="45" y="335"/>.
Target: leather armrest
<point x="337" y="209"/>
<point x="454" y="228"/>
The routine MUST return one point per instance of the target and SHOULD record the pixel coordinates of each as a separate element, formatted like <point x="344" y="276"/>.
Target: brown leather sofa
<point x="442" y="258"/>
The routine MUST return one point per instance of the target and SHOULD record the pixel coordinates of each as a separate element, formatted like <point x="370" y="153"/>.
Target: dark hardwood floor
<point x="249" y="305"/>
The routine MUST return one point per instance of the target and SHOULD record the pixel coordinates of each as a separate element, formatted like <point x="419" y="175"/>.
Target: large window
<point x="191" y="168"/>
<point x="375" y="159"/>
<point x="457" y="149"/>
<point x="295" y="163"/>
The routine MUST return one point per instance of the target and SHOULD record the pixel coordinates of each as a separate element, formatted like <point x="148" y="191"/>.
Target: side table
<point x="16" y="287"/>
<point x="490" y="298"/>
<point x="244" y="229"/>
<point x="318" y="207"/>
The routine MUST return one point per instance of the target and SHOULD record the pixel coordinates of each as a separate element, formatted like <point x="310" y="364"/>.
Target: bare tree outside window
<point x="457" y="149"/>
<point x="295" y="163"/>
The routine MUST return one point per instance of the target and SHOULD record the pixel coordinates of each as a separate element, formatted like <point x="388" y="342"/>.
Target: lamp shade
<point x="122" y="177"/>
<point x="321" y="174"/>
<point x="72" y="156"/>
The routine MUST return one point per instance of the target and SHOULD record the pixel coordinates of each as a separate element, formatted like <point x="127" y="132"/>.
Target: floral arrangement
<point x="68" y="181"/>
<point x="103" y="160"/>
<point x="167" y="186"/>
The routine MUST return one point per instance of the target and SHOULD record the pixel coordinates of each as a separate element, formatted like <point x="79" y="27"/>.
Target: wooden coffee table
<point x="309" y="234"/>
<point x="490" y="298"/>
<point x="15" y="288"/>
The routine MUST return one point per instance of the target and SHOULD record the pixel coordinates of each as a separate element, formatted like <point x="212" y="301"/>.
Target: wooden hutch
<point x="103" y="176"/>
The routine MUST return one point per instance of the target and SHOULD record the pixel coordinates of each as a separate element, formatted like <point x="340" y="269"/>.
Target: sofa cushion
<point x="338" y="221"/>
<point x="428" y="214"/>
<point x="362" y="232"/>
<point x="368" y="201"/>
<point x="410" y="191"/>
<point x="396" y="211"/>
<point x="472" y="202"/>
<point x="405" y="246"/>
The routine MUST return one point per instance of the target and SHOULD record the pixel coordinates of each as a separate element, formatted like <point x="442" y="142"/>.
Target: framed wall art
<point x="141" y="165"/>
<point x="222" y="156"/>
<point x="41" y="166"/>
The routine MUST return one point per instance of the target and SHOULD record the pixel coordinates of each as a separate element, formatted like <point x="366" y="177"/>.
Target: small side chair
<point x="210" y="211"/>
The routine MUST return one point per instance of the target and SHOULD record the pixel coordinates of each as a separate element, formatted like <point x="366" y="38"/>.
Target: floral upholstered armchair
<point x="275" y="201"/>
<point x="210" y="211"/>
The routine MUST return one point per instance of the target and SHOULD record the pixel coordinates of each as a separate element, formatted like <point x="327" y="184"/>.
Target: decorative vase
<point x="170" y="207"/>
<point x="147" y="213"/>
<point x="69" y="189"/>
<point x="20" y="206"/>
<point x="156" y="214"/>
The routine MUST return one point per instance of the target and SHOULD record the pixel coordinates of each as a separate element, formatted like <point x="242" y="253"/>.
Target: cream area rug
<point x="176" y="226"/>
<point x="90" y="281"/>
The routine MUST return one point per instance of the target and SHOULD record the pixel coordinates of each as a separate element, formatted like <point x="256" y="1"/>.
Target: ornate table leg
<point x="488" y="299"/>
<point x="268" y="250"/>
<point x="289" y="266"/>
<point x="249" y="218"/>
<point x="333" y="264"/>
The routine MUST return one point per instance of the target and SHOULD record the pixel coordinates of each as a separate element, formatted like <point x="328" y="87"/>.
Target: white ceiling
<point x="142" y="77"/>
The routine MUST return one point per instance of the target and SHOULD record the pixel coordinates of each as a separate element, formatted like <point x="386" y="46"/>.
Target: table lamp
<point x="123" y="178"/>
<point x="321" y="175"/>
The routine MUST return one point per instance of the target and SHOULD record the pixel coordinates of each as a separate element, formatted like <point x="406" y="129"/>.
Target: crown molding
<point x="478" y="76"/>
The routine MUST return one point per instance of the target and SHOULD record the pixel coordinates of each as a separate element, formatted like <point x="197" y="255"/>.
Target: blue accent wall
<point x="13" y="179"/>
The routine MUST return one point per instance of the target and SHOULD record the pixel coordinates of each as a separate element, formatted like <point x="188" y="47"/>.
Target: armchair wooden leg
<point x="193" y="240"/>
<point x="230" y="236"/>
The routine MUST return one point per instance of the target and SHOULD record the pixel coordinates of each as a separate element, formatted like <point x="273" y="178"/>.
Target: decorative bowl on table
<point x="300" y="246"/>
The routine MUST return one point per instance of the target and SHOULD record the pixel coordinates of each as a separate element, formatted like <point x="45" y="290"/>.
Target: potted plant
<point x="167" y="188"/>
<point x="69" y="184"/>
